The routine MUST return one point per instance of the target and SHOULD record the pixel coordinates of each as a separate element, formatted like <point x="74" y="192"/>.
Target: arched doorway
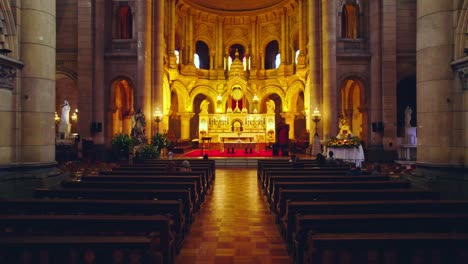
<point x="122" y="108"/>
<point x="353" y="106"/>
<point x="174" y="131"/>
<point x="300" y="124"/>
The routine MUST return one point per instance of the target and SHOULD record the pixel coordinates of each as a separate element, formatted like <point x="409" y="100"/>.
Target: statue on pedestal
<point x="138" y="128"/>
<point x="270" y="104"/>
<point x="204" y="107"/>
<point x="65" y="126"/>
<point x="408" y="112"/>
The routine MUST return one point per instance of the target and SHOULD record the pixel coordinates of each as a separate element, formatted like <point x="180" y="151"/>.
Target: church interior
<point x="369" y="81"/>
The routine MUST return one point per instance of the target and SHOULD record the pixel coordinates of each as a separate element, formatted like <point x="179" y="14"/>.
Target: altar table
<point x="230" y="146"/>
<point x="352" y="154"/>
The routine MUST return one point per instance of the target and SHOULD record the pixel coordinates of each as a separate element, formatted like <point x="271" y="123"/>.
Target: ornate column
<point x="158" y="63"/>
<point x="172" y="22"/>
<point x="185" y="124"/>
<point x="37" y="44"/>
<point x="330" y="115"/>
<point x="99" y="97"/>
<point x="289" y="119"/>
<point x="313" y="89"/>
<point x="144" y="36"/>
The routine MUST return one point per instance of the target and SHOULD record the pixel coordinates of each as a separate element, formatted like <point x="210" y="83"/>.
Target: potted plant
<point x="146" y="152"/>
<point x="121" y="143"/>
<point x="161" y="142"/>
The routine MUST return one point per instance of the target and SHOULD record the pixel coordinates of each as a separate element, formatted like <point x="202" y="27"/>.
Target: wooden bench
<point x="153" y="179"/>
<point x="156" y="227"/>
<point x="269" y="183"/>
<point x="156" y="171"/>
<point x="351" y="195"/>
<point x="389" y="248"/>
<point x="293" y="208"/>
<point x="305" y="170"/>
<point x="183" y="195"/>
<point x="194" y="193"/>
<point x="76" y="249"/>
<point x="374" y="223"/>
<point x="172" y="208"/>
<point x="277" y="186"/>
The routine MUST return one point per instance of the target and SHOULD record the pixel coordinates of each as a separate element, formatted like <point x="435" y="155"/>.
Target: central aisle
<point x="234" y="225"/>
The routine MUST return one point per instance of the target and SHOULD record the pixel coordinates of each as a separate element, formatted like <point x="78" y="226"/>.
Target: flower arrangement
<point x="121" y="141"/>
<point x="350" y="141"/>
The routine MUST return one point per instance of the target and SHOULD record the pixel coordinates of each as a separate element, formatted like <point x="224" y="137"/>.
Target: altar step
<point x="236" y="163"/>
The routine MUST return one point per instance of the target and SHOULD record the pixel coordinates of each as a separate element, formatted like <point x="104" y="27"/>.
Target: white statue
<point x="270" y="106"/>
<point x="408" y="112"/>
<point x="204" y="107"/>
<point x="65" y="118"/>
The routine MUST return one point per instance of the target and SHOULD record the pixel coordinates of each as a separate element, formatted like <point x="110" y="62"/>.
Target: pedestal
<point x="65" y="129"/>
<point x="316" y="149"/>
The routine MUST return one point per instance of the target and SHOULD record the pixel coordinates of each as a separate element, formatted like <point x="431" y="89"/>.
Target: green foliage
<point x="344" y="142"/>
<point x="160" y="141"/>
<point x="148" y="151"/>
<point x="121" y="141"/>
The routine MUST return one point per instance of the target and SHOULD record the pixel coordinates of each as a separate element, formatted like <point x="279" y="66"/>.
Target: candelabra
<point x="157" y="118"/>
<point x="316" y="119"/>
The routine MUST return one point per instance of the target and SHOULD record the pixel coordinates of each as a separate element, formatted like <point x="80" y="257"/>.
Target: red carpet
<point x="238" y="154"/>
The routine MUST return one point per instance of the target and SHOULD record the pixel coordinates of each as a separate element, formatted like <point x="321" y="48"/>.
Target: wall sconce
<point x="316" y="119"/>
<point x="74" y="117"/>
<point x="57" y="118"/>
<point x="157" y="118"/>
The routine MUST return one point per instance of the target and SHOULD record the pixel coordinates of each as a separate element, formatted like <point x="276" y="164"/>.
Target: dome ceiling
<point x="235" y="5"/>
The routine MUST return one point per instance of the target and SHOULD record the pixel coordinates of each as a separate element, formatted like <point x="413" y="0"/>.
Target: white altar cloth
<point x="353" y="154"/>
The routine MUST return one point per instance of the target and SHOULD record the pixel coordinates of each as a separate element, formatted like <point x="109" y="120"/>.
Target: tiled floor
<point x="234" y="225"/>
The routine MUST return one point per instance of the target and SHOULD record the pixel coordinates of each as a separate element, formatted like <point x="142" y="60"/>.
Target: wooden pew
<point x="172" y="208"/>
<point x="306" y="170"/>
<point x="389" y="248"/>
<point x="194" y="193"/>
<point x="78" y="249"/>
<point x="293" y="208"/>
<point x="156" y="227"/>
<point x="351" y="195"/>
<point x="277" y="186"/>
<point x="183" y="195"/>
<point x="285" y="164"/>
<point x="208" y="163"/>
<point x="375" y="223"/>
<point x="206" y="181"/>
<point x="269" y="183"/>
<point x="151" y="178"/>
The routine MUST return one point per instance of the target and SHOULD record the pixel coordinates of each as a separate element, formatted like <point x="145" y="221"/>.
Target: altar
<point x="351" y="154"/>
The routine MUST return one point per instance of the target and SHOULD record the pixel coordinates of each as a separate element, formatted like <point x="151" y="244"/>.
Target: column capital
<point x="184" y="115"/>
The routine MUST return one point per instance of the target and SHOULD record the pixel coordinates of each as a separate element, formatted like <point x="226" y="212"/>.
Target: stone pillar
<point x="37" y="43"/>
<point x="158" y="63"/>
<point x="85" y="63"/>
<point x="436" y="141"/>
<point x="389" y="66"/>
<point x="441" y="150"/>
<point x="329" y="113"/>
<point x="172" y="23"/>
<point x="314" y="57"/>
<point x="289" y="119"/>
<point x="375" y="102"/>
<point x="185" y="124"/>
<point x="143" y="87"/>
<point x="99" y="102"/>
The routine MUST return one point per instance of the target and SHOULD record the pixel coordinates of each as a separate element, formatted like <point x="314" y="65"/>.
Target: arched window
<point x="196" y="60"/>
<point x="271" y="55"/>
<point x="203" y="52"/>
<point x="124" y="19"/>
<point x="350" y="21"/>
<point x="296" y="56"/>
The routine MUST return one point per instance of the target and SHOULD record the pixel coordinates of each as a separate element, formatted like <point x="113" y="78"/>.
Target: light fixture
<point x="157" y="118"/>
<point x="316" y="119"/>
<point x="74" y="117"/>
<point x="57" y="118"/>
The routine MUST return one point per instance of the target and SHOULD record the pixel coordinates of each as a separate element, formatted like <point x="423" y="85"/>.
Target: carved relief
<point x="7" y="77"/>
